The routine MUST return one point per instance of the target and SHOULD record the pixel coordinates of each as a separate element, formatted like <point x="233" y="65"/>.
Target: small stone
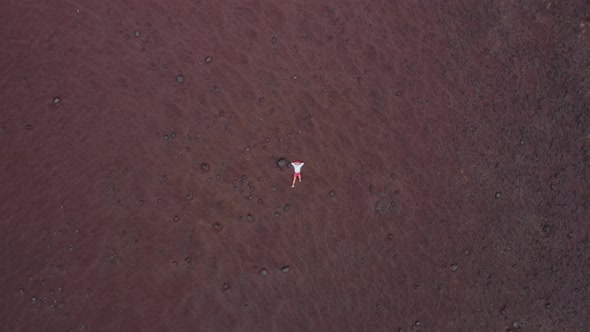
<point x="28" y="127"/>
<point x="546" y="229"/>
<point x="454" y="267"/>
<point x="498" y="194"/>
<point x="251" y="188"/>
<point x="56" y="100"/>
<point x="218" y="227"/>
<point x="390" y="236"/>
<point x="282" y="163"/>
<point x="187" y="259"/>
<point x="189" y="197"/>
<point x="166" y="137"/>
<point x="277" y="214"/>
<point x="159" y="201"/>
<point x="208" y="59"/>
<point x="247" y="149"/>
<point x="176" y="218"/>
<point x="173" y="135"/>
<point x="249" y="217"/>
<point x="205" y="167"/>
<point x="260" y="201"/>
<point x="332" y="193"/>
<point x="179" y="79"/>
<point x="287" y="207"/>
<point x="285" y="269"/>
<point x="226" y="286"/>
<point x="141" y="202"/>
<point x="263" y="272"/>
<point x="273" y="40"/>
<point x="137" y="33"/>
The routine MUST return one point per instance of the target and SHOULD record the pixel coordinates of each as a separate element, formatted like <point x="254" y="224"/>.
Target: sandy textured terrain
<point x="446" y="184"/>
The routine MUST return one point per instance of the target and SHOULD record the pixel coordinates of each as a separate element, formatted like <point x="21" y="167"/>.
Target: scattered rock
<point x="282" y="163"/>
<point x="179" y="79"/>
<point x="285" y="269"/>
<point x="205" y="167"/>
<point x="498" y="194"/>
<point x="56" y="100"/>
<point x="218" y="227"/>
<point x="137" y="33"/>
<point x="208" y="59"/>
<point x="263" y="272"/>
<point x="332" y="193"/>
<point x="454" y="267"/>
<point x="273" y="40"/>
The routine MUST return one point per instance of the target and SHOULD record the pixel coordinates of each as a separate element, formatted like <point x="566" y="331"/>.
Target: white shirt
<point x="297" y="167"/>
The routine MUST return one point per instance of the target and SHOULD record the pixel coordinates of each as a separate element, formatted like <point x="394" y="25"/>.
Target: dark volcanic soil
<point x="445" y="187"/>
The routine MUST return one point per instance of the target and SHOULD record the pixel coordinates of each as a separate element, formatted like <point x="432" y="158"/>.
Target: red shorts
<point x="296" y="175"/>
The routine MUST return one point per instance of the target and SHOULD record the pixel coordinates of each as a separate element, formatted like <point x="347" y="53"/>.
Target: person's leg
<point x="299" y="175"/>
<point x="294" y="178"/>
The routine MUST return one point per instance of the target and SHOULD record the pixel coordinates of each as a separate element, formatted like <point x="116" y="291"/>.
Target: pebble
<point x="137" y="33"/>
<point x="287" y="207"/>
<point x="173" y="135"/>
<point x="205" y="166"/>
<point x="263" y="272"/>
<point x="285" y="269"/>
<point x="247" y="149"/>
<point x="56" y="100"/>
<point x="498" y="194"/>
<point x="226" y="286"/>
<point x="189" y="197"/>
<point x="454" y="267"/>
<point x="208" y="59"/>
<point x="273" y="40"/>
<point x="249" y="217"/>
<point x="218" y="227"/>
<point x="179" y="78"/>
<point x="277" y="214"/>
<point x="176" y="218"/>
<point x="332" y="193"/>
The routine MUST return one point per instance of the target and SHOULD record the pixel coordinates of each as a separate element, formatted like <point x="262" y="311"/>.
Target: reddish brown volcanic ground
<point x="445" y="186"/>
